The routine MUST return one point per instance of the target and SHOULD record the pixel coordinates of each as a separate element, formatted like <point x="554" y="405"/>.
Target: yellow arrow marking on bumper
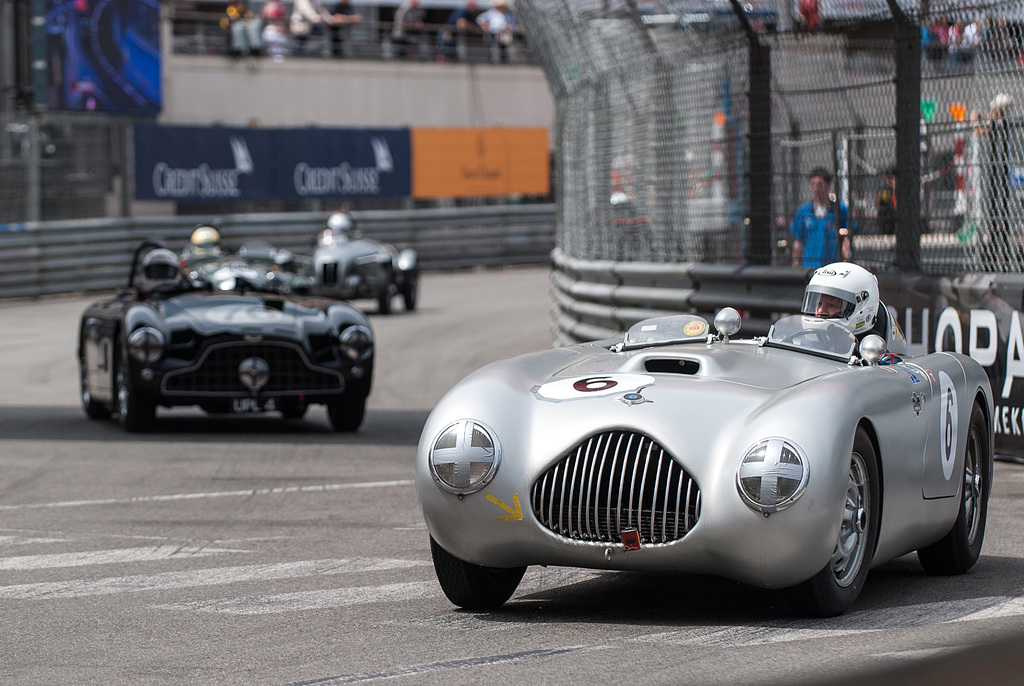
<point x="515" y="514"/>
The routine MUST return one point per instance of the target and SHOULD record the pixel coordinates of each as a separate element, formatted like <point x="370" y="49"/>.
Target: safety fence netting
<point x="653" y="137"/>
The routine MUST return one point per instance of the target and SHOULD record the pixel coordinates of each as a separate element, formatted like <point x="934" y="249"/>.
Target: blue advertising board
<point x="103" y="56"/>
<point x="218" y="164"/>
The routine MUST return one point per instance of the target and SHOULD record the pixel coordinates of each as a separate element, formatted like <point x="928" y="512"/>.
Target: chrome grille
<point x="614" y="481"/>
<point x="217" y="371"/>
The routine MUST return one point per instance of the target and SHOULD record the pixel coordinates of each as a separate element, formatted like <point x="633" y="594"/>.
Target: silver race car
<point x="348" y="266"/>
<point x="797" y="460"/>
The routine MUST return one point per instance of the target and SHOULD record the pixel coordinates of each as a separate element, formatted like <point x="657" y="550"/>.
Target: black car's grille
<point x="329" y="273"/>
<point x="217" y="371"/>
<point x="615" y="481"/>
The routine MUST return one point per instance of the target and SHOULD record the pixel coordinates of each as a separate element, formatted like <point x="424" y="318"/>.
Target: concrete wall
<point x="204" y="90"/>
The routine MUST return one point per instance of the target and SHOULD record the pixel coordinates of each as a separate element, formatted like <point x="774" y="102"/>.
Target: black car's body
<point x="245" y="350"/>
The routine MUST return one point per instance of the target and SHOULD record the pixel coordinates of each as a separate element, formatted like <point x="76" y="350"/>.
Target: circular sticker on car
<point x="695" y="328"/>
<point x="595" y="386"/>
<point x="948" y="423"/>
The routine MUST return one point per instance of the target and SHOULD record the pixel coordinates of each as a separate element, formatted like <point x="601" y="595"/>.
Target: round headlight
<point x="146" y="344"/>
<point x="772" y="475"/>
<point x="357" y="343"/>
<point x="464" y="457"/>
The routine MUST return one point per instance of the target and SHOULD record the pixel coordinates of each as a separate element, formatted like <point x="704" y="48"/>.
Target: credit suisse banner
<point x="217" y="164"/>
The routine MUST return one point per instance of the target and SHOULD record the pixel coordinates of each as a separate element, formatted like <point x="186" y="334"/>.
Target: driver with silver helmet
<point x="340" y="228"/>
<point x="161" y="270"/>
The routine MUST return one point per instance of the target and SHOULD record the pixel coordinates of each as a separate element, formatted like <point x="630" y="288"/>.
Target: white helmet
<point x="339" y="222"/>
<point x="845" y="293"/>
<point x="160" y="267"/>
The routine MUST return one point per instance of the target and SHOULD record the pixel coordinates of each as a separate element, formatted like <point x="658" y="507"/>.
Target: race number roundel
<point x="947" y="423"/>
<point x="594" y="386"/>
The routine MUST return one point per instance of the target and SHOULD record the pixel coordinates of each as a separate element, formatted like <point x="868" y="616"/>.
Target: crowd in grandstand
<point x="274" y="29"/>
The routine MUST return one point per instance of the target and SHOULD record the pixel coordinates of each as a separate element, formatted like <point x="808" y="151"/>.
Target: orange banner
<point x="466" y="163"/>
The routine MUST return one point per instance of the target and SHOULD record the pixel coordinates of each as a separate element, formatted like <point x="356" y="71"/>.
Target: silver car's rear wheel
<point x="834" y="588"/>
<point x="959" y="549"/>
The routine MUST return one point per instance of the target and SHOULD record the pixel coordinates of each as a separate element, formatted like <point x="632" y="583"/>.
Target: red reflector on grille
<point x="631" y="539"/>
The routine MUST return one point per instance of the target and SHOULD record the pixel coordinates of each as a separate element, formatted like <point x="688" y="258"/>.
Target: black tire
<point x="347" y="413"/>
<point x="384" y="292"/>
<point x="136" y="414"/>
<point x="410" y="290"/>
<point x="960" y="548"/>
<point x="833" y="590"/>
<point x="471" y="586"/>
<point x="93" y="409"/>
<point x="294" y="411"/>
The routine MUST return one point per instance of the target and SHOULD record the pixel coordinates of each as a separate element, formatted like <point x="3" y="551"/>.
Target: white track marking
<point x="106" y="557"/>
<point x="27" y="540"/>
<point x="284" y="490"/>
<point x="78" y="588"/>
<point x="312" y="600"/>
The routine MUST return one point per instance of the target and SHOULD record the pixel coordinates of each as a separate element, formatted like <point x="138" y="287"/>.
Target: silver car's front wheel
<point x="833" y="589"/>
<point x="848" y="556"/>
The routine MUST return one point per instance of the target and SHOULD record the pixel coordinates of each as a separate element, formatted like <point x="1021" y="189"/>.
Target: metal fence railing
<point x="95" y="254"/>
<point x="204" y="33"/>
<point x="663" y="155"/>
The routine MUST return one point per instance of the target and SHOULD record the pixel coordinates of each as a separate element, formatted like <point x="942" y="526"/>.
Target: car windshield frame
<point x="812" y="335"/>
<point x="674" y="329"/>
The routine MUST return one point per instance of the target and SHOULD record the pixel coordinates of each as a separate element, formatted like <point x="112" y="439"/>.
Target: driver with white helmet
<point x="847" y="294"/>
<point x="844" y="293"/>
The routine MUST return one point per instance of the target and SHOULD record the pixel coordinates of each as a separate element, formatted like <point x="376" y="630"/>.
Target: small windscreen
<point x="664" y="330"/>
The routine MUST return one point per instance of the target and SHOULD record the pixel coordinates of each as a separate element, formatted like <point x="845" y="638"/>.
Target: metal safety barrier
<point x="595" y="299"/>
<point x="43" y="258"/>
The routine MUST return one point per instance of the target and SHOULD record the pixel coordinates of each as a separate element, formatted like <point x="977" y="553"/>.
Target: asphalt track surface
<point x="251" y="550"/>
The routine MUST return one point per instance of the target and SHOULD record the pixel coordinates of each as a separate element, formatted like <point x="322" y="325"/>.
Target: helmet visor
<point x="827" y="305"/>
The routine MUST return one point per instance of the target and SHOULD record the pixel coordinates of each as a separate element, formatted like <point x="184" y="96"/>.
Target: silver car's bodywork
<point x="347" y="266"/>
<point x="680" y="415"/>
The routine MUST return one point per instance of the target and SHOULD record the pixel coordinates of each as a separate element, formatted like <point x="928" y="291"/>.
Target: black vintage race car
<point x="349" y="266"/>
<point x="168" y="339"/>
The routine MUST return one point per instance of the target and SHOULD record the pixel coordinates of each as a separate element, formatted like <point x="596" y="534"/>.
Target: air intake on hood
<point x="614" y="481"/>
<point x="671" y="365"/>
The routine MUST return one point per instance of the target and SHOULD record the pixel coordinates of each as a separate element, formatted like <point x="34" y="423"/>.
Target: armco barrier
<point x="600" y="299"/>
<point x="95" y="254"/>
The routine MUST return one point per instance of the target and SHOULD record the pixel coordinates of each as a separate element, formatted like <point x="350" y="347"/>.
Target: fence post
<point x="908" y="141"/>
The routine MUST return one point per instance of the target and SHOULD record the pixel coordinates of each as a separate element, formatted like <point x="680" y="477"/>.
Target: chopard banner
<point x="978" y="315"/>
<point x="217" y="164"/>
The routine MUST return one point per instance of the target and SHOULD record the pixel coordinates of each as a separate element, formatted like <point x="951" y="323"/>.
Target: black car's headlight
<point x="357" y="343"/>
<point x="772" y="475"/>
<point x="146" y="344"/>
<point x="464" y="457"/>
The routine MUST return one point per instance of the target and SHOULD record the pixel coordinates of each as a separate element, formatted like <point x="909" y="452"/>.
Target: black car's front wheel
<point x="346" y="413"/>
<point x="135" y="413"/>
<point x="92" y="408"/>
<point x="471" y="586"/>
<point x="832" y="590"/>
